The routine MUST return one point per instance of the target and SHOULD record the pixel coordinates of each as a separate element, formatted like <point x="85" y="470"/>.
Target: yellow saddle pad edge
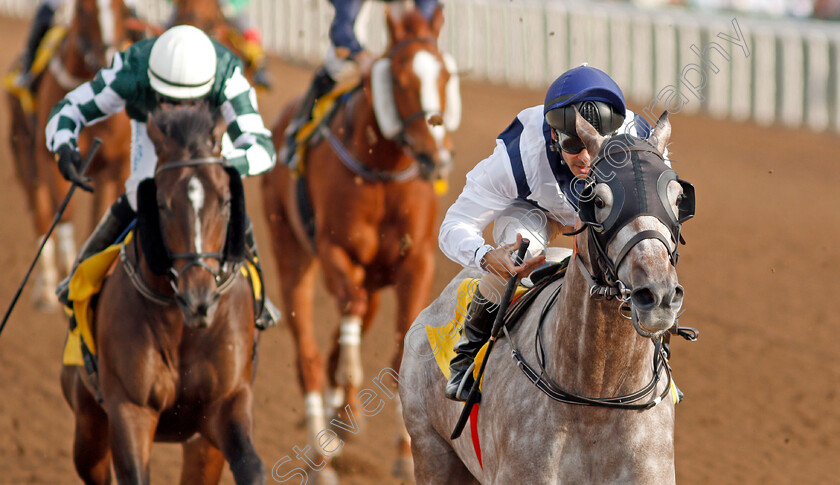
<point x="52" y="41"/>
<point x="443" y="339"/>
<point x="322" y="107"/>
<point x="84" y="285"/>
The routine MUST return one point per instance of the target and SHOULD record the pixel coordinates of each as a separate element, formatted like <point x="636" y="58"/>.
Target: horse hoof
<point x="327" y="476"/>
<point x="404" y="469"/>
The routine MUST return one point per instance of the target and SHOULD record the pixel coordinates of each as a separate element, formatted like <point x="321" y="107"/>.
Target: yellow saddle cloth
<point x="50" y="44"/>
<point x="322" y="108"/>
<point x="87" y="282"/>
<point x="443" y="339"/>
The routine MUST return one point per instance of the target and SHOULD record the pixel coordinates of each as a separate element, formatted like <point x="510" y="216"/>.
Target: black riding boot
<point x="321" y="84"/>
<point x="477" y="326"/>
<point x="269" y="314"/>
<point x="112" y="225"/>
<point x="40" y="25"/>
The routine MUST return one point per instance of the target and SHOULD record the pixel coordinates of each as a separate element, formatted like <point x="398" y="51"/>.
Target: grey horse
<point x="591" y="349"/>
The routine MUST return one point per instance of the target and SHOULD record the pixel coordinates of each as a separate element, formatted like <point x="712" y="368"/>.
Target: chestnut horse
<point x="207" y="15"/>
<point x="174" y="323"/>
<point x="368" y="175"/>
<point x="96" y="31"/>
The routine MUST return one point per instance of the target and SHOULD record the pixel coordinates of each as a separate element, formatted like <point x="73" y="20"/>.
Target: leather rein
<point x="554" y="391"/>
<point x="224" y="278"/>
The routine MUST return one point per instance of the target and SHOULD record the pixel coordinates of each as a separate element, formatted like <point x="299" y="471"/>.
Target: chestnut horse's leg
<point x="230" y="425"/>
<point x="131" y="431"/>
<point x="413" y="285"/>
<point x="297" y="269"/>
<point x="203" y="462"/>
<point x="338" y="396"/>
<point x="91" y="453"/>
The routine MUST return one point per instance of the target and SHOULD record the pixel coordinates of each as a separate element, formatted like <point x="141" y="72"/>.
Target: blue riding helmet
<point x="593" y="92"/>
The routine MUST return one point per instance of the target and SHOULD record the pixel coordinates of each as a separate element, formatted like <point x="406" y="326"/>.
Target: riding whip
<point x="93" y="148"/>
<point x="497" y="325"/>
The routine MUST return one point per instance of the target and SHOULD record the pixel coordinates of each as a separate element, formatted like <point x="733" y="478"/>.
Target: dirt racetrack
<point x="760" y="273"/>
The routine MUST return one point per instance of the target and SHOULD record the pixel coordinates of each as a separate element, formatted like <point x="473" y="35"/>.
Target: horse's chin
<point x="655" y="322"/>
<point x="195" y="322"/>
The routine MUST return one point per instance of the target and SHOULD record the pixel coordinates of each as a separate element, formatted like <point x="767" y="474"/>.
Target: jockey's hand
<point x="500" y="262"/>
<point x="69" y="164"/>
<point x="364" y="59"/>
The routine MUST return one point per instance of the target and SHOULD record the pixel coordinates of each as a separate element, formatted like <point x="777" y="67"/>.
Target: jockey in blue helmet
<point x="526" y="187"/>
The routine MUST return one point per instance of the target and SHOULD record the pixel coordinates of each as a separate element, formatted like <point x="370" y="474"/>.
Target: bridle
<point x="401" y="138"/>
<point x="603" y="280"/>
<point x="224" y="277"/>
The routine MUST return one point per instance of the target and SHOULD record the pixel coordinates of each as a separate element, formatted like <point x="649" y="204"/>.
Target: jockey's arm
<point x="489" y="190"/>
<point x="89" y="103"/>
<point x="253" y="151"/>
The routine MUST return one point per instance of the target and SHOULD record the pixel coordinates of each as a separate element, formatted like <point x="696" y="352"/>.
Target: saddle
<point x="323" y="111"/>
<point x="49" y="45"/>
<point x="443" y="339"/>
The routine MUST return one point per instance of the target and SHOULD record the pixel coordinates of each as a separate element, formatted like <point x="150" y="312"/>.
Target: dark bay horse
<point x="174" y="323"/>
<point x="599" y="357"/>
<point x="369" y="177"/>
<point x="96" y="31"/>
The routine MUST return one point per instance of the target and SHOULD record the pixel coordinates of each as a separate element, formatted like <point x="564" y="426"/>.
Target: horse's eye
<point x="680" y="198"/>
<point x="599" y="202"/>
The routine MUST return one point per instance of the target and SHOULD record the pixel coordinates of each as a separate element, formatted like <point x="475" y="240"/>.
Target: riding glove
<point x="69" y="164"/>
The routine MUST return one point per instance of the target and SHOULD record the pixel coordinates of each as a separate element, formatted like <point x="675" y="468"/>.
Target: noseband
<point x="223" y="277"/>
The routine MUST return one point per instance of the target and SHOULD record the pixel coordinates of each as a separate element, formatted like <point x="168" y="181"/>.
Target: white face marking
<point x="427" y="67"/>
<point x="195" y="192"/>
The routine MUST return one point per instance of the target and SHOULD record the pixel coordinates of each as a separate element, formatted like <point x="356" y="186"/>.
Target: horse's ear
<point x="436" y="22"/>
<point x="148" y="228"/>
<point x="396" y="31"/>
<point x="661" y="133"/>
<point x="238" y="223"/>
<point x="588" y="135"/>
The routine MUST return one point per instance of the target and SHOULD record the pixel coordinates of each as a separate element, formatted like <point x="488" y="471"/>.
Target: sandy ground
<point x="759" y="272"/>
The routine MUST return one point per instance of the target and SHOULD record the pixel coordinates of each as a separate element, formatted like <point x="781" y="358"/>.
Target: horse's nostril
<point x="643" y="298"/>
<point x="202" y="309"/>
<point x="677" y="296"/>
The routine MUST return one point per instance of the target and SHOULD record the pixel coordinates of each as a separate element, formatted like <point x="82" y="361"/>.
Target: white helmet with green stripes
<point x="182" y="64"/>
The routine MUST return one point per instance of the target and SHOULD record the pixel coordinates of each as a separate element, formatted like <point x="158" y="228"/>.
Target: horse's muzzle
<point x="656" y="306"/>
<point x="434" y="167"/>
<point x="198" y="308"/>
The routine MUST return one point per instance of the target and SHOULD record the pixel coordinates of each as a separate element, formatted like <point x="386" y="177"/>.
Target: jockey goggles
<point x="570" y="144"/>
